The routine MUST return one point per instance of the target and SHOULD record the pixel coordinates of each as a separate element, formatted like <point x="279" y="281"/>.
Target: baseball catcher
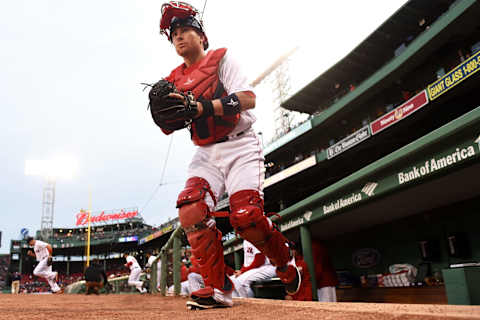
<point x="212" y="97"/>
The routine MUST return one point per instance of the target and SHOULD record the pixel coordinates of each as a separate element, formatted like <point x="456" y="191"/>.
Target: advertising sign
<point x="128" y="239"/>
<point x="400" y="112"/>
<point x="158" y="233"/>
<point x="348" y="142"/>
<point x="82" y="216"/>
<point x="454" y="77"/>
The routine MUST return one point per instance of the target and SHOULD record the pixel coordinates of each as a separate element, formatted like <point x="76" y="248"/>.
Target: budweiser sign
<point x="82" y="216"/>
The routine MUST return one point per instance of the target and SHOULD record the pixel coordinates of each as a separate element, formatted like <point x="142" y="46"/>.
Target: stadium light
<point x="51" y="169"/>
<point x="61" y="166"/>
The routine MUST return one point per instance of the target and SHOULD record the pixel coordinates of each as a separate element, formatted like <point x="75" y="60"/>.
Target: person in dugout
<point x="96" y="279"/>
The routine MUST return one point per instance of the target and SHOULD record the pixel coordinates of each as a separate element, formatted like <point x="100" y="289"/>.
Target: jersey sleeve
<point x="232" y="77"/>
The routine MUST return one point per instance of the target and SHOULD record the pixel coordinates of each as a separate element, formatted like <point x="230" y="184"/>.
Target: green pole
<point x="237" y="259"/>
<point x="20" y="264"/>
<point x="68" y="265"/>
<point x="163" y="274"/>
<point x="177" y="260"/>
<point x="153" y="276"/>
<point x="306" y="239"/>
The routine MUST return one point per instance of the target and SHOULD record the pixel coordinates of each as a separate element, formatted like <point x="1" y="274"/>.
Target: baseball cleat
<point x="205" y="303"/>
<point x="59" y="291"/>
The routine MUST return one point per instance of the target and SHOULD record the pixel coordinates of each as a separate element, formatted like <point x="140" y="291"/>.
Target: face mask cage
<point x="178" y="13"/>
<point x="175" y="10"/>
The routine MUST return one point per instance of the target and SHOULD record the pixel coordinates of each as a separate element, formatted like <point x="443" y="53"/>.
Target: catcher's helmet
<point x="180" y="14"/>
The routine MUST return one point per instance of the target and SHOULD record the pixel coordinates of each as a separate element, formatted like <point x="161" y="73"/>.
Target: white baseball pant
<point x="195" y="281"/>
<point x="184" y="289"/>
<point x="43" y="270"/>
<point x="233" y="165"/>
<point x="134" y="279"/>
<point x="327" y="294"/>
<point x="243" y="282"/>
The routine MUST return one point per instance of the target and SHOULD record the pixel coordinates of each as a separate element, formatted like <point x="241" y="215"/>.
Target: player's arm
<point x="258" y="261"/>
<point x="229" y="105"/>
<point x="50" y="250"/>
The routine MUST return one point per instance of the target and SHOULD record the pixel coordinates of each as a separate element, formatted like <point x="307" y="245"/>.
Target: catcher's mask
<point x="180" y="14"/>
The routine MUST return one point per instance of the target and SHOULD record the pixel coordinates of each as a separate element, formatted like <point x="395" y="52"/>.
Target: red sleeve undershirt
<point x="258" y="261"/>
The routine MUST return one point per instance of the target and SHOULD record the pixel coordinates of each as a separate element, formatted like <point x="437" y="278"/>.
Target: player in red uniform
<point x="228" y="158"/>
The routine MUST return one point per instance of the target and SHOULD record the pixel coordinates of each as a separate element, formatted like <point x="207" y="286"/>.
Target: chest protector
<point x="202" y="79"/>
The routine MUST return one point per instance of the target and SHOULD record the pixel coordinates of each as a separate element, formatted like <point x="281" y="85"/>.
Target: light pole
<point x="50" y="169"/>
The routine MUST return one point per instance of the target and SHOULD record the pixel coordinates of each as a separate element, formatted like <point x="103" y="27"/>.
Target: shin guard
<point x="205" y="241"/>
<point x="252" y="225"/>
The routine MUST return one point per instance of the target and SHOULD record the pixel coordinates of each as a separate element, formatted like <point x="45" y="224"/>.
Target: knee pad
<point x="191" y="201"/>
<point x="248" y="220"/>
<point x="206" y="242"/>
<point x="247" y="216"/>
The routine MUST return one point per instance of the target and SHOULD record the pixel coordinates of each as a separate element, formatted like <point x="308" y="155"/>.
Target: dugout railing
<point x="174" y="243"/>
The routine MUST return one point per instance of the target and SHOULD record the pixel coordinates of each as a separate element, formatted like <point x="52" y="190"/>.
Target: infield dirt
<point x="119" y="307"/>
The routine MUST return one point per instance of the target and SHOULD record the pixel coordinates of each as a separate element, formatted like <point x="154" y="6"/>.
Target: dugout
<point x="385" y="171"/>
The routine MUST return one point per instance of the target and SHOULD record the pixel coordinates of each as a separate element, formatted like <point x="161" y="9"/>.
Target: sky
<point x="70" y="74"/>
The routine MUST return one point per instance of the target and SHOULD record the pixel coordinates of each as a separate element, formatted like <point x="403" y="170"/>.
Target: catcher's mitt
<point x="49" y="261"/>
<point x="171" y="113"/>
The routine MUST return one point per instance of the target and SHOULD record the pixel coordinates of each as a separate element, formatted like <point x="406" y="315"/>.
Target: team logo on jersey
<point x="232" y="103"/>
<point x="188" y="82"/>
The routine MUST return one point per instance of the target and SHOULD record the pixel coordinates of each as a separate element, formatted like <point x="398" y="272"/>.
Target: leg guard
<point x="249" y="221"/>
<point x="206" y="241"/>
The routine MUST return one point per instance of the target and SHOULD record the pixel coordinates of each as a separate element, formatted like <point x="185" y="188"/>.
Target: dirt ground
<point x="119" y="307"/>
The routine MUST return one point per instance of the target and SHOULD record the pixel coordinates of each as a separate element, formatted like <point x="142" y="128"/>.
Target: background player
<point x="229" y="158"/>
<point x="255" y="267"/>
<point x="150" y="259"/>
<point x="325" y="273"/>
<point x="135" y="270"/>
<point x="42" y="251"/>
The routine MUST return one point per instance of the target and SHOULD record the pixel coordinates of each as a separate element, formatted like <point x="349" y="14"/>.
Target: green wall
<point x="397" y="241"/>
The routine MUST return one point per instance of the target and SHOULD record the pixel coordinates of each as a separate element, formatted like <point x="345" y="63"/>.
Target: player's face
<point x="187" y="41"/>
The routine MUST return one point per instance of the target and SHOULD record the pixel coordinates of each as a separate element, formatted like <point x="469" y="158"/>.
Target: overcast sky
<point x="70" y="84"/>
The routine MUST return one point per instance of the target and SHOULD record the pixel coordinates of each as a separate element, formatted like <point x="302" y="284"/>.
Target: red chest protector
<point x="202" y="79"/>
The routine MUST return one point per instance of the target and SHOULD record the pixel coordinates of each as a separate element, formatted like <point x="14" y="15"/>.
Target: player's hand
<point x="182" y="99"/>
<point x="177" y="96"/>
<point x="30" y="253"/>
<point x="211" y="223"/>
